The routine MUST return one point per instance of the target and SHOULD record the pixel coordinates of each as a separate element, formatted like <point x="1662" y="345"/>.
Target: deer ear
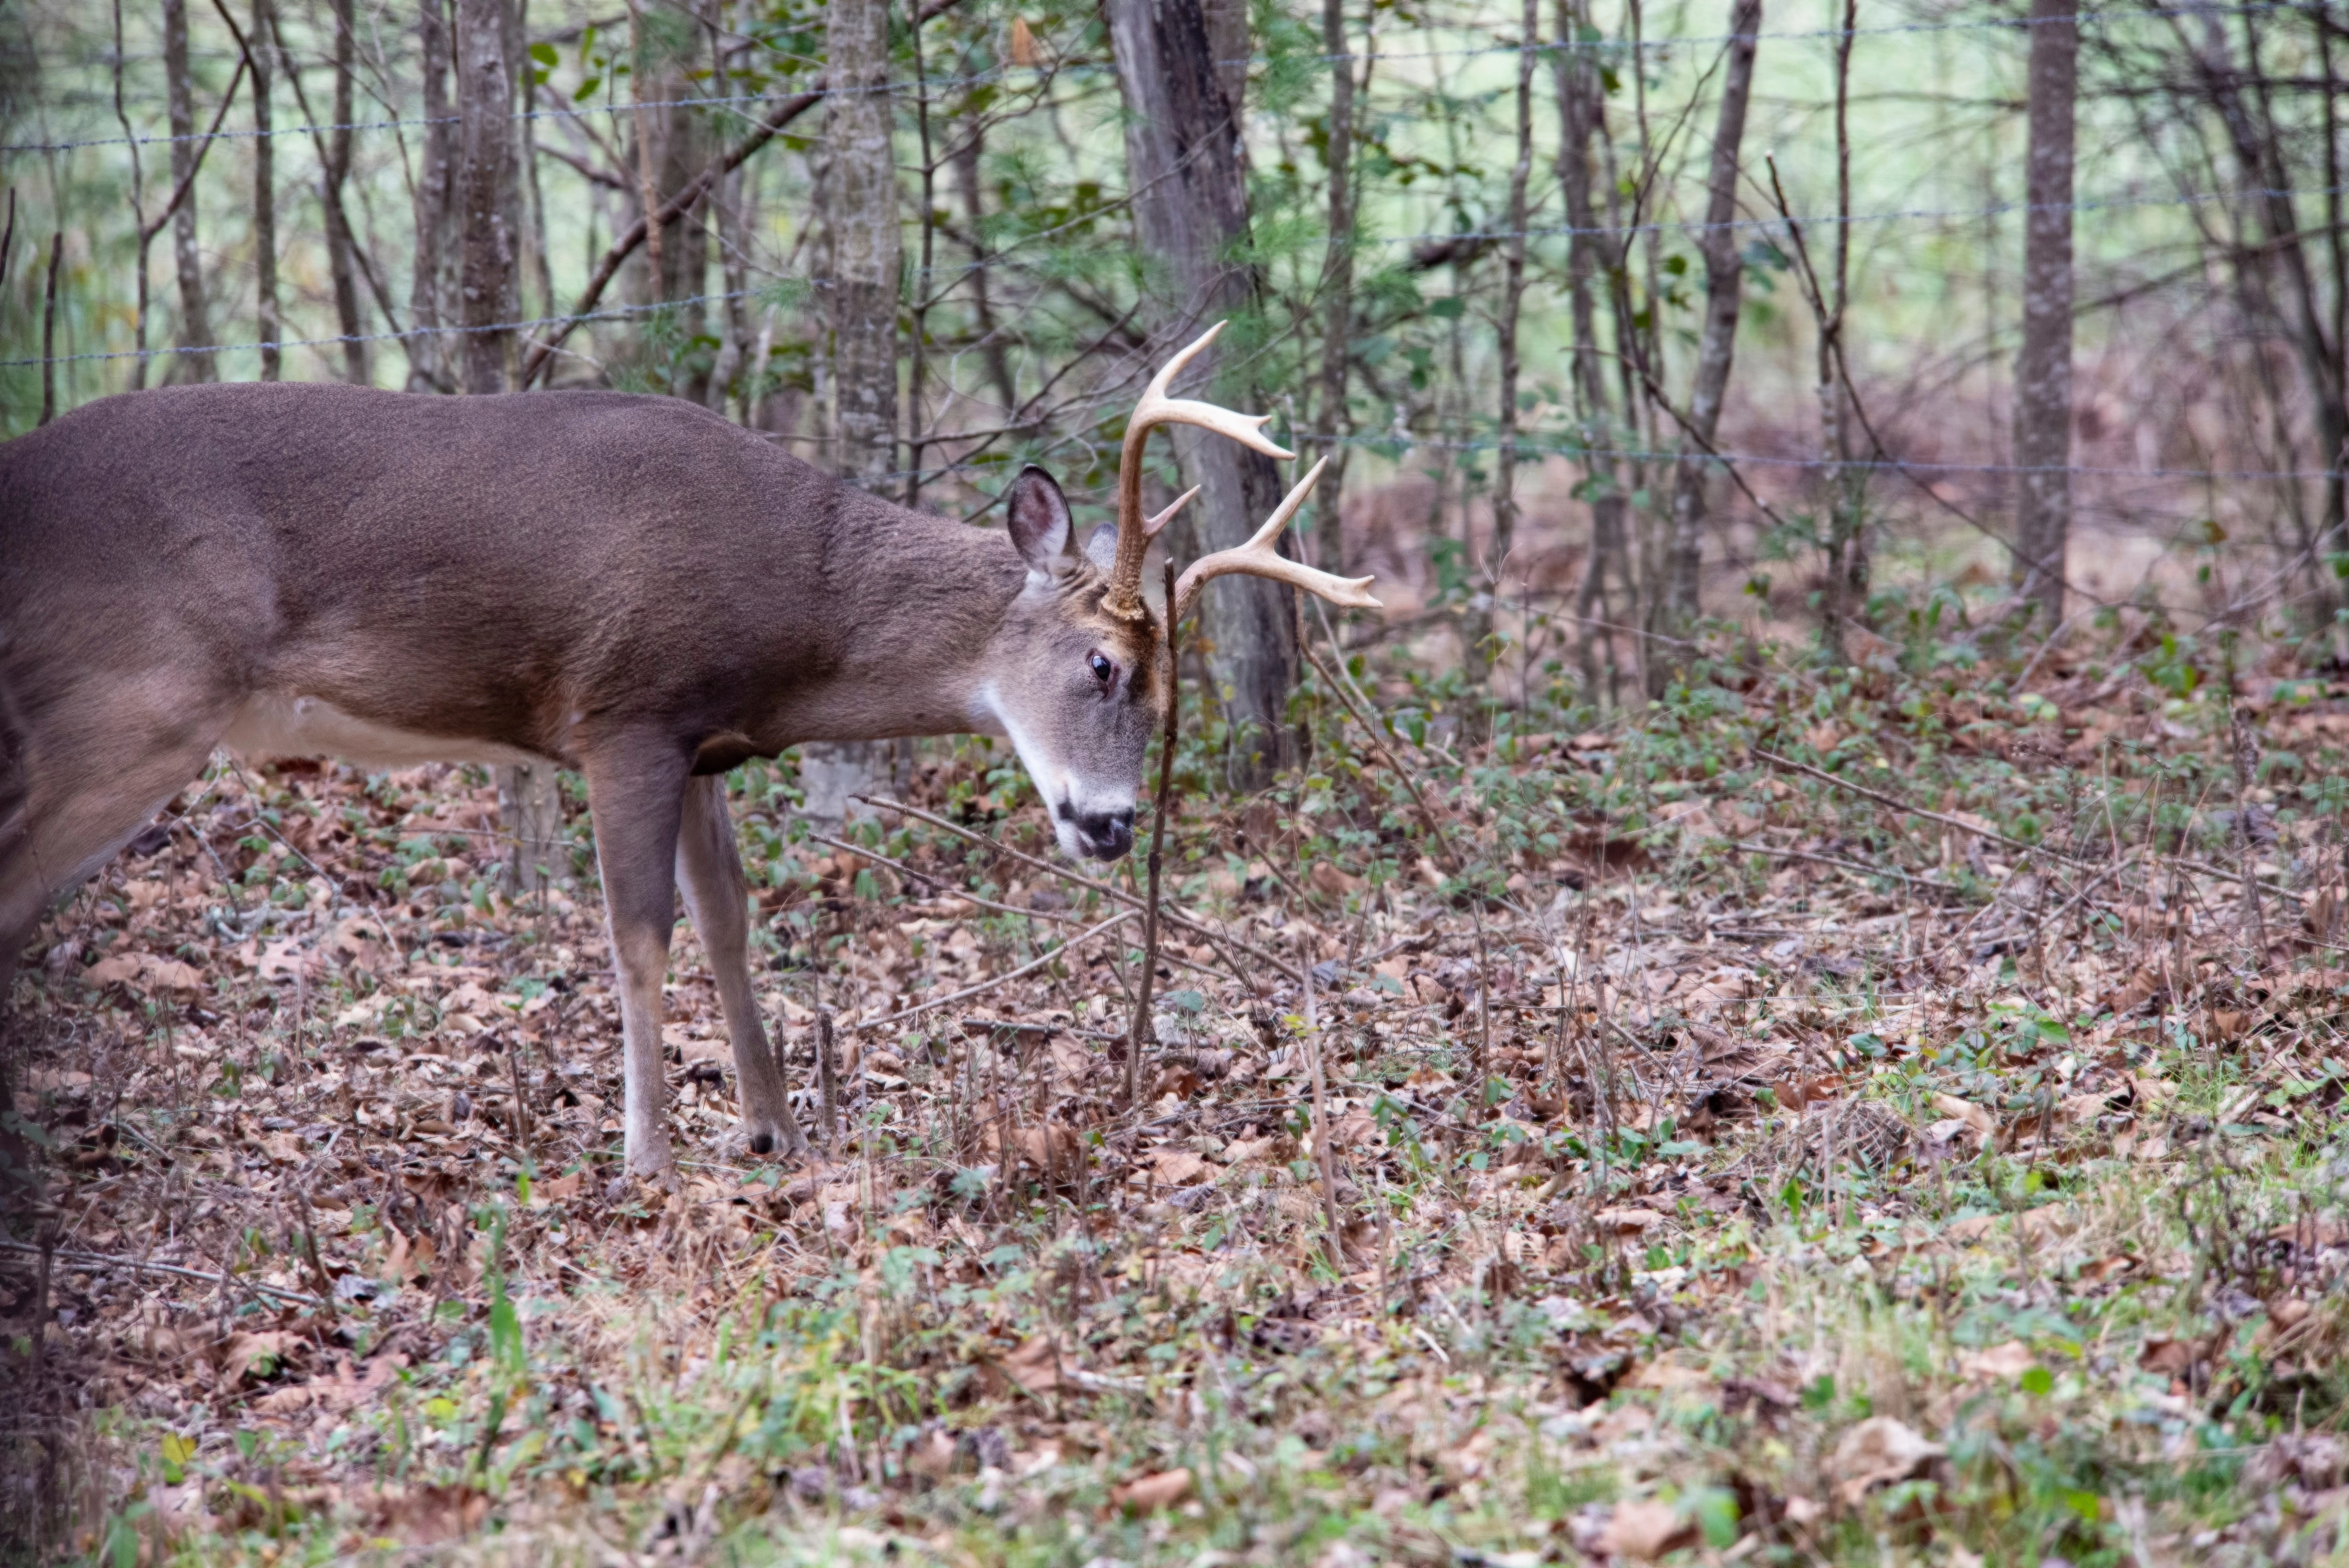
<point x="1042" y="527"/>
<point x="1101" y="548"/>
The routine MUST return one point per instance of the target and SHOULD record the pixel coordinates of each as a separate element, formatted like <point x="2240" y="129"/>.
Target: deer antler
<point x="1156" y="408"/>
<point x="1258" y="557"/>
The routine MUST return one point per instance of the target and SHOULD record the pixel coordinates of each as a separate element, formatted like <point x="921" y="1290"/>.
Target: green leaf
<point x="505" y="1328"/>
<point x="1715" y="1508"/>
<point x="2038" y="1381"/>
<point x="542" y="53"/>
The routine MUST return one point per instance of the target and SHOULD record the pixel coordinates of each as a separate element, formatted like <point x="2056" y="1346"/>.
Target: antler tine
<point x="1150" y="526"/>
<point x="1155" y="409"/>
<point x="1258" y="557"/>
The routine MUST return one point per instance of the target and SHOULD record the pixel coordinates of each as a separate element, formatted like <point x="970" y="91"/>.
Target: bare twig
<point x="1894" y="801"/>
<point x="1321" y="1138"/>
<point x="1140" y="1029"/>
<point x="984" y="985"/>
<point x="1117" y="894"/>
<point x="103" y="1259"/>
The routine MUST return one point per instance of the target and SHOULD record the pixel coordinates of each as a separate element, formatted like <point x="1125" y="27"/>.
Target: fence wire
<point x="1998" y="209"/>
<point x="924" y="84"/>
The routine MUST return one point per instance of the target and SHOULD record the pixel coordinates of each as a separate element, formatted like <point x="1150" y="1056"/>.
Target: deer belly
<point x="276" y="724"/>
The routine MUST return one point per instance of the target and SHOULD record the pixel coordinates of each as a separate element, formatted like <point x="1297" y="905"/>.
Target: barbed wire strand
<point x="1394" y="445"/>
<point x="997" y="73"/>
<point x="613" y="313"/>
<point x="618" y="312"/>
<point x="1534" y="444"/>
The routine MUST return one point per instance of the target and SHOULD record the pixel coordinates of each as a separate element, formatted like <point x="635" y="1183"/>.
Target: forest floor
<point x="1831" y="1116"/>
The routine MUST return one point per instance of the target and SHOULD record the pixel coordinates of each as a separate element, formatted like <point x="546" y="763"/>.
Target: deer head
<point x="1092" y="671"/>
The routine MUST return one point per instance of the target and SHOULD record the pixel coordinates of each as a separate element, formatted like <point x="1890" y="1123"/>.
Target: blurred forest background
<point x="1818" y="321"/>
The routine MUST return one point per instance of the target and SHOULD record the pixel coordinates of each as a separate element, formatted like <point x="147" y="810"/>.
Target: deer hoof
<point x="776" y="1138"/>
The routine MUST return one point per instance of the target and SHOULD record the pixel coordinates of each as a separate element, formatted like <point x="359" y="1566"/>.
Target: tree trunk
<point x="2043" y="373"/>
<point x="862" y="213"/>
<point x="431" y="351"/>
<point x="868" y="261"/>
<point x="1337" y="286"/>
<point x="923" y="296"/>
<point x="491" y="249"/>
<point x="341" y="260"/>
<point x="195" y="319"/>
<point x="2243" y="100"/>
<point x="271" y="319"/>
<point x="138" y="364"/>
<point x="733" y="267"/>
<point x="481" y="196"/>
<point x="734" y="258"/>
<point x="683" y="147"/>
<point x="1190" y="205"/>
<point x="541" y="266"/>
<point x="1588" y="257"/>
<point x="1846" y="596"/>
<point x="1723" y="278"/>
<point x="1513" y="293"/>
<point x="968" y="176"/>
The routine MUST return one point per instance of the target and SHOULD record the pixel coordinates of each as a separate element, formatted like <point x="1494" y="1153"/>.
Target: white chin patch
<point x="1065" y="799"/>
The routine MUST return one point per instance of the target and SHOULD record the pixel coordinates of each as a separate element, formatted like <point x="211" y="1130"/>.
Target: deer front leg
<point x="636" y="794"/>
<point x="709" y="869"/>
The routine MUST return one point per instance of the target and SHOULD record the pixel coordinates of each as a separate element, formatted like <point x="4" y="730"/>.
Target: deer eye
<point x="1101" y="667"/>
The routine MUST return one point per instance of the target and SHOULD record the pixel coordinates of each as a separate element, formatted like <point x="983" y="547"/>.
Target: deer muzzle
<point x="1101" y="835"/>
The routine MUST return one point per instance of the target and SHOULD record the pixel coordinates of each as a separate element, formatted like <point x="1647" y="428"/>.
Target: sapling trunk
<point x="341" y="243"/>
<point x="1723" y="276"/>
<point x="1321" y="1154"/>
<point x="267" y="313"/>
<point x="195" y="321"/>
<point x="2246" y="749"/>
<point x="1140" y="1028"/>
<point x="1337" y="277"/>
<point x="826" y="1074"/>
<point x="49" y="330"/>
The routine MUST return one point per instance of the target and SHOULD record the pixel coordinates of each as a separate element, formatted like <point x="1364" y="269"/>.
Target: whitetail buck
<point x="626" y="585"/>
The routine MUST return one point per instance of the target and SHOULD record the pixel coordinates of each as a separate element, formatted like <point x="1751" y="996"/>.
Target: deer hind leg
<point x="709" y="869"/>
<point x="635" y="793"/>
<point x="72" y="794"/>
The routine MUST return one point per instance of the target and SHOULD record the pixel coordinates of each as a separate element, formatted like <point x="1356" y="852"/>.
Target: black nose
<point x="1106" y="835"/>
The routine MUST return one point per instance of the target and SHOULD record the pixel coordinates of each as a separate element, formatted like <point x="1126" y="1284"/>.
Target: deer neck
<point x="911" y="626"/>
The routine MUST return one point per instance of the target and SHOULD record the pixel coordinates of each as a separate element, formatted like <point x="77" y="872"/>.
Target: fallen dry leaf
<point x="1877" y="1451"/>
<point x="1627" y="1222"/>
<point x="2082" y="1110"/>
<point x="1034" y="1365"/>
<point x="2005" y="1362"/>
<point x="430" y="1515"/>
<point x="1177" y="1167"/>
<point x="1153" y="1492"/>
<point x="1985" y="1126"/>
<point x="144" y="970"/>
<point x="1645" y="1529"/>
<point x="251" y="1356"/>
<point x="933" y="1455"/>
